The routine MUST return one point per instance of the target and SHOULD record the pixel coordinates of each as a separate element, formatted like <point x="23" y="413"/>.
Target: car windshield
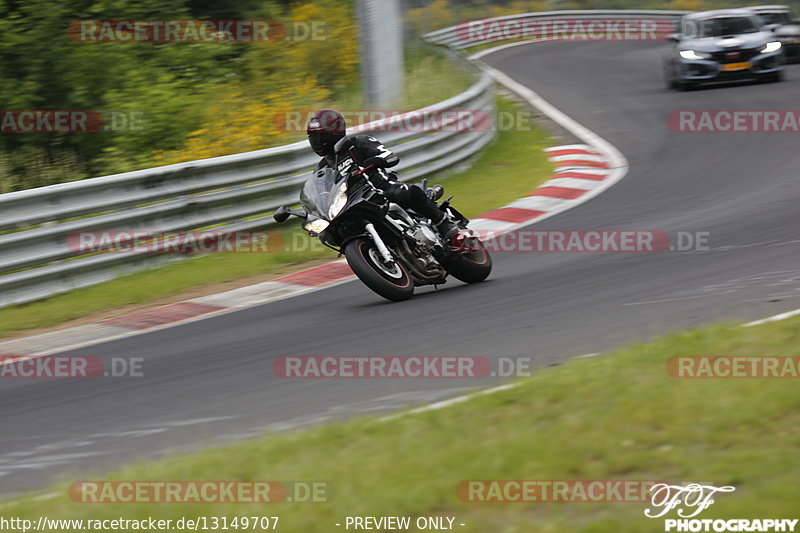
<point x="716" y="27"/>
<point x="320" y="190"/>
<point x="775" y="18"/>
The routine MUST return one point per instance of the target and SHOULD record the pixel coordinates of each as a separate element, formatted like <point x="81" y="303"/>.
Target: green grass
<point x="430" y="77"/>
<point x="150" y="285"/>
<point x="619" y="416"/>
<point x="511" y="166"/>
<point x="425" y="71"/>
<point x="478" y="47"/>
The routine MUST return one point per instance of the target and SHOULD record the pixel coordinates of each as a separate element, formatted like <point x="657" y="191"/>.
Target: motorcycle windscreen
<point x="320" y="191"/>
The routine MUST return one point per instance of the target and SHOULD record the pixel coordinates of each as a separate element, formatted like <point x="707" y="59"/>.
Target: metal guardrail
<point x="232" y="193"/>
<point x="529" y="25"/>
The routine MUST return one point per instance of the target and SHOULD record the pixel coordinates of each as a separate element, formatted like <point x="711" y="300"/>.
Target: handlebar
<point x="363" y="170"/>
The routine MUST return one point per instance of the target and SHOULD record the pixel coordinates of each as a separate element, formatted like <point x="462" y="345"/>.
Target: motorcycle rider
<point x="327" y="127"/>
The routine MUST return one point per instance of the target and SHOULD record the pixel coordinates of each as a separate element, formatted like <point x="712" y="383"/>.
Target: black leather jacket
<point x="365" y="150"/>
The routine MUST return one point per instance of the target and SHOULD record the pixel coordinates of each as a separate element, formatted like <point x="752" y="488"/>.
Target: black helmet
<point x="325" y="128"/>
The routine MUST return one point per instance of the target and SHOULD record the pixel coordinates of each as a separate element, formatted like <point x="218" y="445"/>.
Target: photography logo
<point x="688" y="501"/>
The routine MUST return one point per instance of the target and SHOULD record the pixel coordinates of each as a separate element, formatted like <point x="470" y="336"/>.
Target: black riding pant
<point x="412" y="197"/>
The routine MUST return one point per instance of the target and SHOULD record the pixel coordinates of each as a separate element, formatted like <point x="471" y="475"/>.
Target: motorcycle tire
<point x="393" y="283"/>
<point x="471" y="266"/>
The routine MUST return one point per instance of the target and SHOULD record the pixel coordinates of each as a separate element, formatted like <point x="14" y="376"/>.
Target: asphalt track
<point x="210" y="381"/>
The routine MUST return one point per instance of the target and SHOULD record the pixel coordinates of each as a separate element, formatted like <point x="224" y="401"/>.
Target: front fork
<point x="379" y="244"/>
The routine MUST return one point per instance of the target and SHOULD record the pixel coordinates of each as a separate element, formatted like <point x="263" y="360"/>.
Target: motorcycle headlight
<point x="770" y="47"/>
<point x="316" y="226"/>
<point x="692" y="55"/>
<point x="338" y="204"/>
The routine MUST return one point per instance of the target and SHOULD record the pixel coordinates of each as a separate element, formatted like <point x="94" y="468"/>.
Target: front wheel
<point x="472" y="265"/>
<point x="390" y="281"/>
<point x="670" y="80"/>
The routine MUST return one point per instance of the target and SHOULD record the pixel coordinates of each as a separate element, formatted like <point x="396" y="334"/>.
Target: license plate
<point x="737" y="66"/>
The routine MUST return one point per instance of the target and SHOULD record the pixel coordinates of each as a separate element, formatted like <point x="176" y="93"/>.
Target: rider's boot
<point x="446" y="228"/>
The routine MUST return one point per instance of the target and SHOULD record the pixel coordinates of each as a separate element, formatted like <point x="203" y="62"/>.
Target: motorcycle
<point x="392" y="250"/>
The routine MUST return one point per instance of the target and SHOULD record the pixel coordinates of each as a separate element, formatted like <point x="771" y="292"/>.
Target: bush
<point x="171" y="84"/>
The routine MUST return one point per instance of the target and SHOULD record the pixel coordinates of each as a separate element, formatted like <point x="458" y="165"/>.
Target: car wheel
<point x="672" y="83"/>
<point x="775" y="77"/>
<point x="669" y="77"/>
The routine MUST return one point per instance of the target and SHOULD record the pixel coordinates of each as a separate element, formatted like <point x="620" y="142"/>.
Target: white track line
<point x="586" y="171"/>
<point x="552" y="205"/>
<point x="548" y="204"/>
<point x="301" y="290"/>
<point x="617" y="162"/>
<point x="573" y="183"/>
<point x="773" y="318"/>
<point x="447" y="403"/>
<point x="48" y="496"/>
<point x="565" y="147"/>
<point x="618" y="169"/>
<point x="578" y="157"/>
<point x="487" y="51"/>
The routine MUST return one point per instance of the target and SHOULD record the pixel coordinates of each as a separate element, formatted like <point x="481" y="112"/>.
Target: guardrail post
<point x="380" y="30"/>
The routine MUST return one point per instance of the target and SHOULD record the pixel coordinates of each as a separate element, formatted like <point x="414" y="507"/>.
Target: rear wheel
<point x="669" y="78"/>
<point x="471" y="266"/>
<point x="388" y="280"/>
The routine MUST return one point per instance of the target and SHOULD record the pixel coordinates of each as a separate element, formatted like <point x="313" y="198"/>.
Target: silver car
<point x="722" y="45"/>
<point x="786" y="28"/>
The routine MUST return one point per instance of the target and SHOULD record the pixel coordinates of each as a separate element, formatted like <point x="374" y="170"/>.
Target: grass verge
<point x="510" y="167"/>
<point x="619" y="416"/>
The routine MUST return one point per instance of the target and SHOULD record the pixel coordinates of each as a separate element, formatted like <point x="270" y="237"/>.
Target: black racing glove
<point x="374" y="161"/>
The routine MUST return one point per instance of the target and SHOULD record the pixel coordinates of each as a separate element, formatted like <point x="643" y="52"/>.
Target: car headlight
<point x="692" y="55"/>
<point x="316" y="226"/>
<point x="338" y="204"/>
<point x="770" y="47"/>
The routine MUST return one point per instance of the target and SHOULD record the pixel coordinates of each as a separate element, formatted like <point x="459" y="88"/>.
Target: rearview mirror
<point x="282" y="214"/>
<point x="771" y="27"/>
<point x="674" y="37"/>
